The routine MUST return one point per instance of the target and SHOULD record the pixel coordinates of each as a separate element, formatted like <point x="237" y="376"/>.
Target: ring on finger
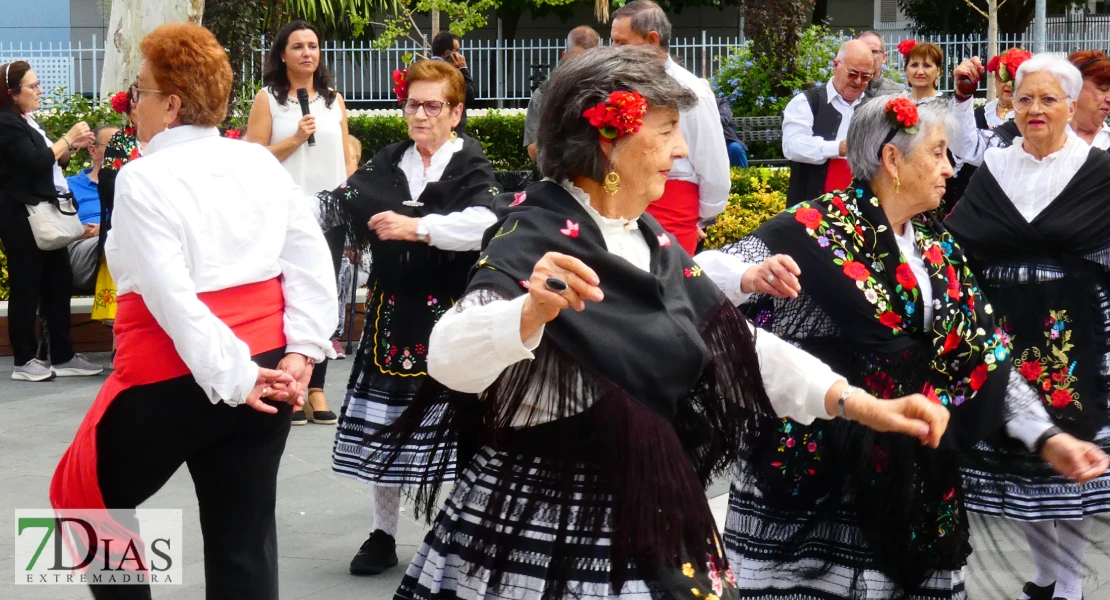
<point x="556" y="285"/>
<point x="770" y="278"/>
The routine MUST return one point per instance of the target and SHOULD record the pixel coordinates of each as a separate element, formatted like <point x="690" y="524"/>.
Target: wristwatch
<point x="421" y="232"/>
<point x="848" y="391"/>
<point x="1039" y="445"/>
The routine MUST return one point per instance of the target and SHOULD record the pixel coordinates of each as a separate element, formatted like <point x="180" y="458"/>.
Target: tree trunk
<point x="992" y="44"/>
<point x="129" y="22"/>
<point x="435" y="22"/>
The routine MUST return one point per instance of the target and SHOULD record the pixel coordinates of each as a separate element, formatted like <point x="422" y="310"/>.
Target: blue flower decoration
<point x="823" y="242"/>
<point x="838" y="253"/>
<point x="1001" y="352"/>
<point x="910" y="308"/>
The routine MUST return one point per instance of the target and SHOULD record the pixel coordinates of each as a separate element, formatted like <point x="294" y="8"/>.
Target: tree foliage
<point x="957" y="17"/>
<point x="774" y="27"/>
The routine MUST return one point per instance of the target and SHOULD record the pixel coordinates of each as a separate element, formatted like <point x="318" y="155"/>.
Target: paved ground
<point x="323" y="519"/>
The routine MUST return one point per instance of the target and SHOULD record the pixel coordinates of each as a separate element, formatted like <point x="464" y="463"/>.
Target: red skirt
<point x="145" y="354"/>
<point x="677" y="212"/>
<point x="839" y="175"/>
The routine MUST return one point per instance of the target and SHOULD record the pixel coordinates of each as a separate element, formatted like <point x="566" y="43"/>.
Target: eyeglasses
<point x="431" y="107"/>
<point x="856" y="75"/>
<point x="134" y="92"/>
<point x="34" y="87"/>
<point x="1025" y="103"/>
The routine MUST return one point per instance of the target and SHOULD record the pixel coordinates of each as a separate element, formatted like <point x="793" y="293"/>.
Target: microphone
<point x="302" y="97"/>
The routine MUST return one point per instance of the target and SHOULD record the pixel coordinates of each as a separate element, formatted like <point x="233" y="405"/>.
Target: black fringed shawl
<point x="1048" y="279"/>
<point x="411" y="283"/>
<point x="907" y="497"/>
<point x="652" y="389"/>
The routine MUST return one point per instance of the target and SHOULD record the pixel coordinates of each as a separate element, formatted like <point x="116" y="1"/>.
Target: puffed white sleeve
<point x="460" y="231"/>
<point x="146" y="247"/>
<point x="796" y="381"/>
<point x="308" y="282"/>
<point x="474" y="342"/>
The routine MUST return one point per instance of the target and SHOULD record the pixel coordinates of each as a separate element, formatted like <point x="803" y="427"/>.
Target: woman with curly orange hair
<point x="1093" y="106"/>
<point x="226" y="298"/>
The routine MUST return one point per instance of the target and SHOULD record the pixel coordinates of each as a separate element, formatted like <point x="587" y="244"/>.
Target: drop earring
<point x="897" y="184"/>
<point x="612" y="183"/>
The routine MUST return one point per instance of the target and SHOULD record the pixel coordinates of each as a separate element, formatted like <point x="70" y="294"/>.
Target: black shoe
<point x="1036" y="592"/>
<point x="299" y="418"/>
<point x="376" y="555"/>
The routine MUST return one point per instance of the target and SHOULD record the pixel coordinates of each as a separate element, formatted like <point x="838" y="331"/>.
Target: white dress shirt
<point x="799" y="144"/>
<point x="1033" y="184"/>
<point x="470" y="348"/>
<point x="201" y="213"/>
<point x="1102" y="138"/>
<point x="706" y="165"/>
<point x="1027" y="416"/>
<point x="458" y="231"/>
<point x="60" y="182"/>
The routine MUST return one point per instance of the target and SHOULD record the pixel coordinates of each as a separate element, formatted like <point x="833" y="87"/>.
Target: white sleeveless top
<point x="317" y="168"/>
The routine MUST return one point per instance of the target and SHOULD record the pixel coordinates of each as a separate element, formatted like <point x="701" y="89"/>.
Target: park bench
<point x="761" y="129"/>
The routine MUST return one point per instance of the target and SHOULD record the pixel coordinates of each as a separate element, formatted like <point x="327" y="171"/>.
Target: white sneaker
<point x="78" y="366"/>
<point x="34" y="370"/>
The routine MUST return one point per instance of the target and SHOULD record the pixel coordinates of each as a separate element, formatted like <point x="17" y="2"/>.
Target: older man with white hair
<point x="698" y="185"/>
<point x="880" y="86"/>
<point x="815" y="126"/>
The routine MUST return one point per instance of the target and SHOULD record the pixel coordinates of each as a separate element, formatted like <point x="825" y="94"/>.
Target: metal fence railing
<point x="508" y="71"/>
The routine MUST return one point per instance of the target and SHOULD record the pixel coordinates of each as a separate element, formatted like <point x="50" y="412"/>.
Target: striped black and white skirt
<point x="373" y="402"/>
<point x="1014" y="483"/>
<point x="450" y="566"/>
<point x="831" y="562"/>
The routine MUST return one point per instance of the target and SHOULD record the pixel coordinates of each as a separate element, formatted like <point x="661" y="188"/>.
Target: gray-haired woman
<point x="595" y="429"/>
<point x="831" y="509"/>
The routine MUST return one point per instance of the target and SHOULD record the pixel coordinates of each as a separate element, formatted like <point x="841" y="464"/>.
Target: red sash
<point x="839" y="176"/>
<point x="677" y="212"/>
<point x="145" y="354"/>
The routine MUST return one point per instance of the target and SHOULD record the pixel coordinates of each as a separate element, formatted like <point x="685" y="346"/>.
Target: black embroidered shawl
<point x="907" y="497"/>
<point x="652" y="389"/>
<point x="411" y="283"/>
<point x="1048" y="280"/>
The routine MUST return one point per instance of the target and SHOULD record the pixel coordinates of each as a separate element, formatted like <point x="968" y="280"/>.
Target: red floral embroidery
<point x="134" y="154"/>
<point x="664" y="240"/>
<point x="880" y="384"/>
<point x="891" y="319"/>
<point x="519" y="198"/>
<point x="116" y="164"/>
<point x="953" y="281"/>
<point x="839" y="204"/>
<point x="1061" y="398"/>
<point x="934" y="254"/>
<point x="524" y="283"/>
<point x="978" y="377"/>
<point x="571" y="230"/>
<point x="856" y="270"/>
<point x="810" y="217"/>
<point x="904" y="275"/>
<point x="951" y="342"/>
<point x="930" y="392"/>
<point x="1031" y="371"/>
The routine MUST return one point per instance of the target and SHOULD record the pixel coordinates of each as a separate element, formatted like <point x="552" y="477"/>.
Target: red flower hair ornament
<point x="121" y="102"/>
<point x="622" y="115"/>
<point x="906" y="46"/>
<point x="400" y="86"/>
<point x="903" y="115"/>
<point x="1006" y="64"/>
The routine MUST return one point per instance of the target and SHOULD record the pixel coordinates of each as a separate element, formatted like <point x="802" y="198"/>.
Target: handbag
<point x="54" y="222"/>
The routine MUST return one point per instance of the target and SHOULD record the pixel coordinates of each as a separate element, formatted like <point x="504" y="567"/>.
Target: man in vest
<point x="815" y="126"/>
<point x="698" y="185"/>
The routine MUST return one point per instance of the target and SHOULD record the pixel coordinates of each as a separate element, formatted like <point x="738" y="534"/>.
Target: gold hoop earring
<point x="454" y="135"/>
<point x="612" y="183"/>
<point x="897" y="184"/>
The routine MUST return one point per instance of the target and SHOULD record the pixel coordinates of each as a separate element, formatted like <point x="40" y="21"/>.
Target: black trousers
<point x="35" y="276"/>
<point x="337" y="239"/>
<point x="232" y="453"/>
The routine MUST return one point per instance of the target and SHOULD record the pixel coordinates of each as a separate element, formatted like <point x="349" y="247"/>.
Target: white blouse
<point x="60" y="182"/>
<point x="458" y="231"/>
<point x="1102" y="138"/>
<point x="202" y="213"/>
<point x="316" y="168"/>
<point x="470" y="348"/>
<point x="1032" y="184"/>
<point x="991" y="113"/>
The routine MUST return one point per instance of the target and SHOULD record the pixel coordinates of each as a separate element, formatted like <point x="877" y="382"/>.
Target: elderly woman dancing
<point x="830" y="509"/>
<point x="421" y="207"/>
<point x="1036" y="231"/>
<point x="613" y="377"/>
<point x="226" y="299"/>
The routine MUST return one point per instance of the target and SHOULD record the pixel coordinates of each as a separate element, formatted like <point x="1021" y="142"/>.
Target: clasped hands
<point x="286" y="384"/>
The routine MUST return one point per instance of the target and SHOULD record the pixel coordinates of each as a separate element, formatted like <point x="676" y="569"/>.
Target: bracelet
<point x="1039" y="445"/>
<point x="69" y="146"/>
<point x="848" y="391"/>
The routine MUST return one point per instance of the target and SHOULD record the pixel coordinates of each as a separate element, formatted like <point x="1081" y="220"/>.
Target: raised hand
<point x="777" y="276"/>
<point x="545" y="302"/>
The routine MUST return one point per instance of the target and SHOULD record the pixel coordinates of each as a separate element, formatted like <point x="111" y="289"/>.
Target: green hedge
<point x="501" y="136"/>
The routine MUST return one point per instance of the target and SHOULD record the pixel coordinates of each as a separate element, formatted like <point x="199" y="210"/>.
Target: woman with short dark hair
<point x="31" y="174"/>
<point x="226" y="299"/>
<point x="613" y="378"/>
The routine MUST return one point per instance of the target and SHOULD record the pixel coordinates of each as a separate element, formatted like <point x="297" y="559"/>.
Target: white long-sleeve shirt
<point x="458" y="231"/>
<point x="799" y="144"/>
<point x="706" y="164"/>
<point x="1032" y="184"/>
<point x="1027" y="416"/>
<point x="469" y="349"/>
<point x="201" y="213"/>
